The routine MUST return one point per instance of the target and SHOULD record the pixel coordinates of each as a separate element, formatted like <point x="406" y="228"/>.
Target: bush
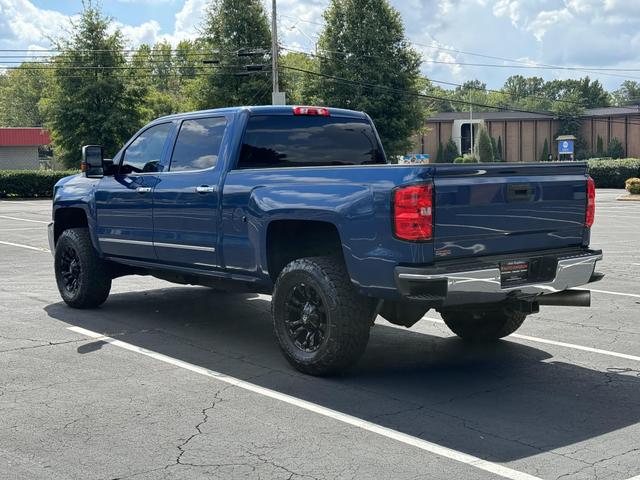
<point x="458" y="160"/>
<point x="633" y="186"/>
<point x="30" y="183"/>
<point x="483" y="146"/>
<point x="616" y="149"/>
<point x="613" y="173"/>
<point x="450" y="151"/>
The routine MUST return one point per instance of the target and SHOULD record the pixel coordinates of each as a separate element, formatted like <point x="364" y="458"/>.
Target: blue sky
<point x="583" y="33"/>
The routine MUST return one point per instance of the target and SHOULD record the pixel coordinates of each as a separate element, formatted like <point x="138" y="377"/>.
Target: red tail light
<point x="413" y="212"/>
<point x="591" y="202"/>
<point x="317" y="111"/>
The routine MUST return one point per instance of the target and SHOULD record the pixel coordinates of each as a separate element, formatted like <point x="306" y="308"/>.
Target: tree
<point x="627" y="94"/>
<point x="20" y="94"/>
<point x="544" y="156"/>
<point x="616" y="149"/>
<point x="299" y="86"/>
<point x="90" y="101"/>
<point x="483" y="146"/>
<point x="369" y="65"/>
<point x="237" y="33"/>
<point x="499" y="151"/>
<point x="440" y="154"/>
<point x="450" y="151"/>
<point x="599" y="147"/>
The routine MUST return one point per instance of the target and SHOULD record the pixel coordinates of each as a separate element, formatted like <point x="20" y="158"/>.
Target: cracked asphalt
<point x="73" y="407"/>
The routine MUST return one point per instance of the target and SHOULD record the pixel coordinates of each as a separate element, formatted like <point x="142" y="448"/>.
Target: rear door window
<point x="198" y="144"/>
<point x="272" y="141"/>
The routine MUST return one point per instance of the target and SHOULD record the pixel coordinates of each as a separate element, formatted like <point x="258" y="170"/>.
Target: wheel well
<point x="66" y="218"/>
<point x="288" y="240"/>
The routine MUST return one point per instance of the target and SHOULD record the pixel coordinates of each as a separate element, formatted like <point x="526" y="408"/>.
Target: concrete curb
<point x="628" y="198"/>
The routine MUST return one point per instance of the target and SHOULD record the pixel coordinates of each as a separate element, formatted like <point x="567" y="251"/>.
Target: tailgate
<point x="506" y="208"/>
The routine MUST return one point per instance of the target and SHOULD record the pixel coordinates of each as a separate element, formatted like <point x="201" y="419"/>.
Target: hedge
<point x="608" y="173"/>
<point x="30" y="183"/>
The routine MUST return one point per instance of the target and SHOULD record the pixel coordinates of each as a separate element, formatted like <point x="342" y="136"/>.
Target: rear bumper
<point x="484" y="285"/>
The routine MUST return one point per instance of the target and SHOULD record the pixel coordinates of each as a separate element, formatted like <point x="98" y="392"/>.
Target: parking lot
<point x="166" y="381"/>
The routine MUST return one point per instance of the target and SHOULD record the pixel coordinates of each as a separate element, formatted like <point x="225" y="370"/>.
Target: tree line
<point x="94" y="89"/>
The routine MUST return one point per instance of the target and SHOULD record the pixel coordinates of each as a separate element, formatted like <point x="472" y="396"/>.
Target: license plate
<point x="514" y="272"/>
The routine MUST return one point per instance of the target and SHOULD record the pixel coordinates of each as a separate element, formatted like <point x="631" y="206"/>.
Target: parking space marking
<point x="633" y="295"/>
<point x="28" y="247"/>
<point x="637" y="477"/>
<point x="559" y="344"/>
<point x="23" y="229"/>
<point x="23" y="219"/>
<point x="425" y="445"/>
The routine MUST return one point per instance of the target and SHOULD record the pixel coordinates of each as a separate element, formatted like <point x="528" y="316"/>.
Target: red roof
<point x="21" y="137"/>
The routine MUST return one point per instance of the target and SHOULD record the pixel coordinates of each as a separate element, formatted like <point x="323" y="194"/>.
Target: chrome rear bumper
<point x="485" y="286"/>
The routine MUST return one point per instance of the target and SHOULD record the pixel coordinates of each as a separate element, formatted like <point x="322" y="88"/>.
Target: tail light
<point x="413" y="212"/>
<point x="315" y="111"/>
<point x="591" y="203"/>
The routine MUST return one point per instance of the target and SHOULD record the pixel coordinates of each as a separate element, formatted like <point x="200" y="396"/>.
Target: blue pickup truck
<point x="301" y="203"/>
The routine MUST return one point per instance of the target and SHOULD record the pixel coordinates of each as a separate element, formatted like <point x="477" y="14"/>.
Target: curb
<point x="628" y="198"/>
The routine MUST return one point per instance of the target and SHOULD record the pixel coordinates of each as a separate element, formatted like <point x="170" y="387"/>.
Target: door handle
<point x="143" y="189"/>
<point x="205" y="189"/>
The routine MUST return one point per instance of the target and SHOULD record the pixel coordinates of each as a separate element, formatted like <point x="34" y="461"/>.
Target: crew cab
<point x="302" y="204"/>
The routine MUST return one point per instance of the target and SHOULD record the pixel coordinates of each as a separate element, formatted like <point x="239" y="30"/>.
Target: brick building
<point x="523" y="134"/>
<point x="19" y="147"/>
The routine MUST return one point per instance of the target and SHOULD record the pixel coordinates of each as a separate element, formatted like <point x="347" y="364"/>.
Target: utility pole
<point x="277" y="97"/>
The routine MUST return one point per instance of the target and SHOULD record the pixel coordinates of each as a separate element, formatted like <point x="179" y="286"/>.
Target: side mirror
<point x="92" y="161"/>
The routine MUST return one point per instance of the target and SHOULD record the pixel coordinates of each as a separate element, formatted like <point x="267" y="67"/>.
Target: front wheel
<point x="484" y="325"/>
<point x="83" y="278"/>
<point x="320" y="320"/>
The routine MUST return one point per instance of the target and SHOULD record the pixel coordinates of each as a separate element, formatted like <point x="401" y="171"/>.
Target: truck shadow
<point x="500" y="402"/>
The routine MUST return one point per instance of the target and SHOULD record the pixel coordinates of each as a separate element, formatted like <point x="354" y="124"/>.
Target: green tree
<point x="499" y="151"/>
<point x="616" y="149"/>
<point x="237" y="33"/>
<point x="544" y="155"/>
<point x="450" y="151"/>
<point x="363" y="44"/>
<point x="90" y="101"/>
<point x="299" y="86"/>
<point x="599" y="147"/>
<point x="627" y="94"/>
<point x="20" y="94"/>
<point x="483" y="146"/>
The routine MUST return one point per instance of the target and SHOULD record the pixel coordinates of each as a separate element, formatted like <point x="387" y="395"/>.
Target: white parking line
<point x="28" y="247"/>
<point x="23" y="219"/>
<point x="633" y="295"/>
<point x="559" y="344"/>
<point x="430" y="447"/>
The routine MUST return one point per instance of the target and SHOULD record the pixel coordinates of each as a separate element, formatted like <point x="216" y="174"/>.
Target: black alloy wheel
<point x="306" y="317"/>
<point x="71" y="269"/>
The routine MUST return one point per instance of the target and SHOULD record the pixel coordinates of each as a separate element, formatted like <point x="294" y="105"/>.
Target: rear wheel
<point x="320" y="320"/>
<point x="83" y="278"/>
<point x="484" y="325"/>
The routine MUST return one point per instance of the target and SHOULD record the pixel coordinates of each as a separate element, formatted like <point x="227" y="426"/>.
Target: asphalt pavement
<point x="172" y="382"/>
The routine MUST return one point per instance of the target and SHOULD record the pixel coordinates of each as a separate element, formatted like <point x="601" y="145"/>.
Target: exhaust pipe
<point x="567" y="298"/>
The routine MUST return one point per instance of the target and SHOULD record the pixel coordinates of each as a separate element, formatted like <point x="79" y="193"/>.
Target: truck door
<point x="186" y="197"/>
<point x="124" y="201"/>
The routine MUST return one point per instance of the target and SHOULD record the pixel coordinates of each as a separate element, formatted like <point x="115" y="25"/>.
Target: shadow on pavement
<point x="500" y="402"/>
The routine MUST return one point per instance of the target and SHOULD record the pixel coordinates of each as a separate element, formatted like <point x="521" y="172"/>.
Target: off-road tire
<point x="93" y="275"/>
<point x="348" y="315"/>
<point x="484" y="325"/>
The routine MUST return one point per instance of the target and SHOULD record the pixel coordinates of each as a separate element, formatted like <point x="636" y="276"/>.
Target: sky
<point x="600" y="34"/>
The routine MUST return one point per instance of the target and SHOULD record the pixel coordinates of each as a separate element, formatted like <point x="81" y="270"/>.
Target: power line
<point x="501" y="92"/>
<point x="435" y="97"/>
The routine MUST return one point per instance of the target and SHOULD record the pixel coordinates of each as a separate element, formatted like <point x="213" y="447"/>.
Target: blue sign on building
<point x="565" y="147"/>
